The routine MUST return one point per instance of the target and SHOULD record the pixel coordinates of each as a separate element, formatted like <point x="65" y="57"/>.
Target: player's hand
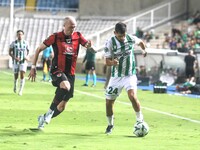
<point x="88" y="44"/>
<point x="17" y="59"/>
<point x="32" y="74"/>
<point x="144" y="53"/>
<point x="115" y="62"/>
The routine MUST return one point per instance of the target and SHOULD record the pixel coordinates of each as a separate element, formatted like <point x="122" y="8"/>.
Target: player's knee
<point x="65" y="85"/>
<point x="132" y="95"/>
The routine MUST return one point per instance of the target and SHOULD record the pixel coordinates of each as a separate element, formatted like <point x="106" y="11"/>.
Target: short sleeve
<point x="137" y="40"/>
<point x="12" y="45"/>
<point x="82" y="40"/>
<point x="108" y="48"/>
<point x="50" y="40"/>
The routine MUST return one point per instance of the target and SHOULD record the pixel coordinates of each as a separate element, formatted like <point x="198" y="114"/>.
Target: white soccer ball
<point x="141" y="129"/>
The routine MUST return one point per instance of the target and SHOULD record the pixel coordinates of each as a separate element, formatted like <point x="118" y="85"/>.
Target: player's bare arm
<point x="143" y="46"/>
<point x="112" y="62"/>
<point x="27" y="56"/>
<point x="52" y="54"/>
<point x="11" y="55"/>
<point x="88" y="45"/>
<point x="33" y="72"/>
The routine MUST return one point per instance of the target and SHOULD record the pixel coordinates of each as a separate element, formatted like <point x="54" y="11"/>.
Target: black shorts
<point x="62" y="94"/>
<point x="189" y="72"/>
<point x="90" y="65"/>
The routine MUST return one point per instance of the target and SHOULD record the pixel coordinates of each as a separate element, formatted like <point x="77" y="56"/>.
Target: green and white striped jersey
<point x="124" y="52"/>
<point x="20" y="50"/>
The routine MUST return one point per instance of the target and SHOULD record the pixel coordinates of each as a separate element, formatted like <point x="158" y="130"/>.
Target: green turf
<point x="82" y="125"/>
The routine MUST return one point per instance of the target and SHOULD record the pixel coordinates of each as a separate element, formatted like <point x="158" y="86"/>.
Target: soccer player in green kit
<point x="19" y="50"/>
<point x="119" y="54"/>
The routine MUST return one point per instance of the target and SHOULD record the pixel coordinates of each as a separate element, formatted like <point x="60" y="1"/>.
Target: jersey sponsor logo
<point x="59" y="75"/>
<point x="68" y="50"/>
<point x="122" y="54"/>
<point x="68" y="41"/>
<point x="126" y="45"/>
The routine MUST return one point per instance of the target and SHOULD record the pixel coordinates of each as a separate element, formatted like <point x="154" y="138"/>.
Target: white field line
<point x="129" y="104"/>
<point x="146" y="108"/>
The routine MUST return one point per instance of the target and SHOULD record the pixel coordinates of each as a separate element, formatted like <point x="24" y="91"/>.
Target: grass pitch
<point x="174" y="121"/>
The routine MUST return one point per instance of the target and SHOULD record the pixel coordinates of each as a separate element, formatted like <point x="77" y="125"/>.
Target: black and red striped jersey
<point x="66" y="49"/>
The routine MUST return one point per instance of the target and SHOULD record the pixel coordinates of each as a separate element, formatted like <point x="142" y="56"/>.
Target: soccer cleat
<point x="41" y="122"/>
<point x="20" y="93"/>
<point x="93" y="85"/>
<point x="85" y="85"/>
<point x="47" y="117"/>
<point x="109" y="129"/>
<point x="15" y="89"/>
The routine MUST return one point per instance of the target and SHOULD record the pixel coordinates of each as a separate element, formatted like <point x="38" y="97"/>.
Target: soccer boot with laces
<point x="20" y="93"/>
<point x="14" y="89"/>
<point x="109" y="129"/>
<point x="85" y="84"/>
<point x="93" y="85"/>
<point x="48" y="116"/>
<point x="41" y="122"/>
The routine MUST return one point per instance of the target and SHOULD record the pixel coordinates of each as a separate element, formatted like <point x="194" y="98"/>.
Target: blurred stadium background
<point x="96" y="20"/>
